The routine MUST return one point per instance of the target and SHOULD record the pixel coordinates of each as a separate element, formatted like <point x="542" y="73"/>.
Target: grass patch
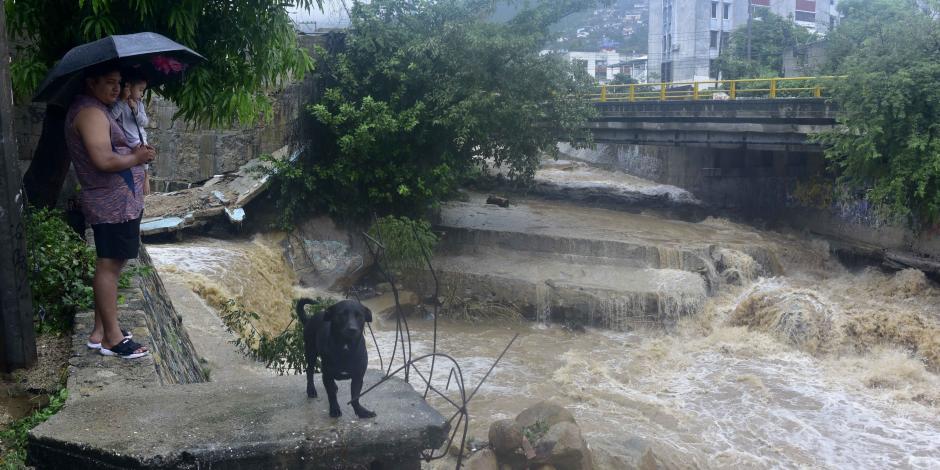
<point x="13" y="439"/>
<point x="536" y="431"/>
<point x="468" y="309"/>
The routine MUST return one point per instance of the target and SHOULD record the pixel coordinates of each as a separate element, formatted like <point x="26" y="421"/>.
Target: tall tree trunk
<point x="50" y="164"/>
<point x="17" y="337"/>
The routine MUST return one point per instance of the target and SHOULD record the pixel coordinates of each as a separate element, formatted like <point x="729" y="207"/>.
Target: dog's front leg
<point x="330" y="385"/>
<point x="355" y="389"/>
<point x="311" y="363"/>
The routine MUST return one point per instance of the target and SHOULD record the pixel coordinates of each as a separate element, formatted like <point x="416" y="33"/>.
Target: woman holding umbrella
<point x="87" y="80"/>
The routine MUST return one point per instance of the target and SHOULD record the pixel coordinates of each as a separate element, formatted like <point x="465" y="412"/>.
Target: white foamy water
<point x="832" y="370"/>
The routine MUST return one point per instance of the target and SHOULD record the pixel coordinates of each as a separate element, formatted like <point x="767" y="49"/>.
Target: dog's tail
<point x="301" y="314"/>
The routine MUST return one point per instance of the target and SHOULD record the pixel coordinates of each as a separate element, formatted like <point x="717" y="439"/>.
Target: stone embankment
<point x="767" y="186"/>
<point x="583" y="265"/>
<point x="161" y="412"/>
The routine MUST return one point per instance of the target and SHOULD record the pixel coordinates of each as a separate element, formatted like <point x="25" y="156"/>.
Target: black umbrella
<point x="156" y="57"/>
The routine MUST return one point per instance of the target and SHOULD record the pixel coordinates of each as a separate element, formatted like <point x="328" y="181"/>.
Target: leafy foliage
<point x="251" y="46"/>
<point x="405" y="240"/>
<point x="61" y="268"/>
<point x="623" y="79"/>
<point x="888" y="148"/>
<point x="13" y="439"/>
<point x="535" y="432"/>
<point x="423" y="91"/>
<point x="771" y="34"/>
<point x="284" y="353"/>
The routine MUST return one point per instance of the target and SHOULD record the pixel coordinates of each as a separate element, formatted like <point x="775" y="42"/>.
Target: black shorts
<point x="118" y="241"/>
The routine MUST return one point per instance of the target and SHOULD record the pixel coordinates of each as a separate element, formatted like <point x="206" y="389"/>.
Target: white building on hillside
<point x="604" y="65"/>
<point x="686" y="36"/>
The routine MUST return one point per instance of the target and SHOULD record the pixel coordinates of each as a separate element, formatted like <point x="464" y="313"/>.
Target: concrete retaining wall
<point x="760" y="185"/>
<point x="176" y="361"/>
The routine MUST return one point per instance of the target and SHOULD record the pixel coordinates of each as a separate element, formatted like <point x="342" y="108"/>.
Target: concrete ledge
<point x="267" y="424"/>
<point x="91" y="373"/>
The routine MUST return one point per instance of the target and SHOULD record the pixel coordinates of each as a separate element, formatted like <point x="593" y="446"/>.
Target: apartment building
<point x="685" y="36"/>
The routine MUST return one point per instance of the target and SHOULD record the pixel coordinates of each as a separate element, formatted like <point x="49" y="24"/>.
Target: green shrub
<point x="405" y="241"/>
<point x="61" y="268"/>
<point x="13" y="438"/>
<point x="421" y="92"/>
<point x="284" y="353"/>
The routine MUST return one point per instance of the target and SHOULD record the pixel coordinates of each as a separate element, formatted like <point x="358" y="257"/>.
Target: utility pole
<point x="749" y="10"/>
<point x="17" y="337"/>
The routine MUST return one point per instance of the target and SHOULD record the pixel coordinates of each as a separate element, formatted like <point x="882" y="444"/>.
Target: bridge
<point x="752" y="114"/>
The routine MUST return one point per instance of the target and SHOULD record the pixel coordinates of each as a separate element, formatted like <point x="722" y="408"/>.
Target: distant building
<point x="686" y="36"/>
<point x="603" y="66"/>
<point x="804" y="61"/>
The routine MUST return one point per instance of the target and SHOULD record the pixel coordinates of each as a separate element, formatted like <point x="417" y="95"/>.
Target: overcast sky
<point x="333" y="14"/>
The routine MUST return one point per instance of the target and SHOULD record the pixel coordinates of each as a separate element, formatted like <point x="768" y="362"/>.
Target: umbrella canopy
<point x="157" y="57"/>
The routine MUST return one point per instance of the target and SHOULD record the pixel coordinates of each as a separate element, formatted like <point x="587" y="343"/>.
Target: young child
<point x="130" y="114"/>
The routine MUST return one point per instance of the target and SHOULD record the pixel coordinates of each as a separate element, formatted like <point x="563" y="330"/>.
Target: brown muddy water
<point x="818" y="368"/>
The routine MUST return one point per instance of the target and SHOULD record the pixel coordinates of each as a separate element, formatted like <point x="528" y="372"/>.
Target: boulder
<point x="482" y="460"/>
<point x="564" y="447"/>
<point x="327" y="256"/>
<point x="546" y="413"/>
<point x="505" y="437"/>
<point x="499" y="201"/>
<point x="636" y="454"/>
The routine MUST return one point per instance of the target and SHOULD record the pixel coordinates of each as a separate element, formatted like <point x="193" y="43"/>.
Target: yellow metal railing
<point x="750" y="88"/>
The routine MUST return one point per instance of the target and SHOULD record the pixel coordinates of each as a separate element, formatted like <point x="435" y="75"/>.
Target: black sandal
<point x="127" y="334"/>
<point x="126" y="349"/>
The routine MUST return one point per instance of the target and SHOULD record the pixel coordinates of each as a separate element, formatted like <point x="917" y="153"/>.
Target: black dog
<point x="335" y="335"/>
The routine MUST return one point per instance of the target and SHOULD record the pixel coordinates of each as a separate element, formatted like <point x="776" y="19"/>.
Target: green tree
<point x="623" y="79"/>
<point x="421" y="93"/>
<point x="771" y="34"/>
<point x="888" y="146"/>
<point x="250" y="45"/>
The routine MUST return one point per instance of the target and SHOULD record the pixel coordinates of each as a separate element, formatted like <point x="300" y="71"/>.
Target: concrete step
<point x="238" y="425"/>
<point x="565" y="291"/>
<point x="596" y="187"/>
<point x="592" y="236"/>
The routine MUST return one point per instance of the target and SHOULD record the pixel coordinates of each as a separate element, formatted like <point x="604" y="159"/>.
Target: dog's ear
<point x="367" y="314"/>
<point x="328" y="313"/>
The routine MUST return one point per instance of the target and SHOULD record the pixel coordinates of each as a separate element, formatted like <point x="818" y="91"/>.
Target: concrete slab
<point x="563" y="290"/>
<point x="210" y="337"/>
<point x="257" y="423"/>
<point x="566" y="220"/>
<point x="223" y="194"/>
<point x="579" y="182"/>
<point x="596" y="236"/>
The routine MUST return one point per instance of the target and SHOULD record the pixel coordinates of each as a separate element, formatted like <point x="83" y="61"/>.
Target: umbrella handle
<point x="140" y="134"/>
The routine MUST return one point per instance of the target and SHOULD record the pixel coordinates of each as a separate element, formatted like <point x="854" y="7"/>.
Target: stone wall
<point x="754" y="183"/>
<point x="187" y="154"/>
<point x="761" y="185"/>
<point x="175" y="359"/>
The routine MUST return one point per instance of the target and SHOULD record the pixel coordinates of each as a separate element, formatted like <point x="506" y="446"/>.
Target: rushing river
<point x="819" y="368"/>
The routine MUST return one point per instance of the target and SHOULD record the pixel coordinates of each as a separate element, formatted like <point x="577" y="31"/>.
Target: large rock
<point x="636" y="453"/>
<point x="563" y="447"/>
<point x="327" y="256"/>
<point x="482" y="460"/>
<point x="547" y="413"/>
<point x="505" y="437"/>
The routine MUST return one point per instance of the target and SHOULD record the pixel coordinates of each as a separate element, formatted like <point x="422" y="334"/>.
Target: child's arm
<point x="142" y="118"/>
